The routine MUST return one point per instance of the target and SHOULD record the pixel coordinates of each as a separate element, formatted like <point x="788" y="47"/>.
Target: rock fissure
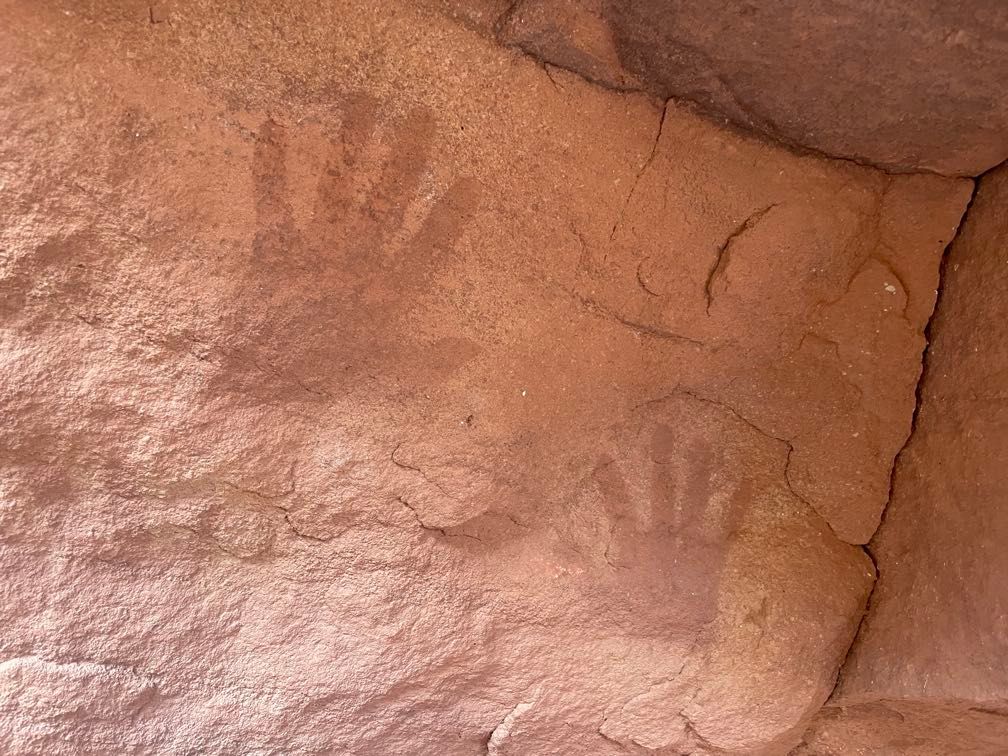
<point x="789" y="443"/>
<point x="642" y="282"/>
<point x="421" y="473"/>
<point x="641" y="171"/>
<point x="925" y="358"/>
<point x="703" y="108"/>
<point x="642" y="329"/>
<point x="722" y="256"/>
<point x="433" y="528"/>
<point x="502" y="731"/>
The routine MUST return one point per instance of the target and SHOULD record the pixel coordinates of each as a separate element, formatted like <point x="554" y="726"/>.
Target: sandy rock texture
<point x="936" y="635"/>
<point x="906" y="727"/>
<point x="912" y="86"/>
<point x="369" y="389"/>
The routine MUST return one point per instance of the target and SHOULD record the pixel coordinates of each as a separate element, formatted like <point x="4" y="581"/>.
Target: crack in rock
<point x="642" y="282"/>
<point x="723" y="255"/>
<point x="502" y="732"/>
<point x="789" y="443"/>
<point x="421" y="473"/>
<point x="640" y="173"/>
<point x="274" y="501"/>
<point x="914" y="418"/>
<point x="642" y="329"/>
<point x="433" y="528"/>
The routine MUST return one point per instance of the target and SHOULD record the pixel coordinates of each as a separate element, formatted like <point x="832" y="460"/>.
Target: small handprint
<point x="674" y="494"/>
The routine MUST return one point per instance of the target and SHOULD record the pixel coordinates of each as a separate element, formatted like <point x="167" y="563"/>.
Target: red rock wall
<point x="368" y="388"/>
<point x="935" y="642"/>
<point x="904" y="85"/>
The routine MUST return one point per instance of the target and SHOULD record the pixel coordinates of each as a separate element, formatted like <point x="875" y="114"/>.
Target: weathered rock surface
<point x="936" y="636"/>
<point x="908" y="86"/>
<point x="905" y="727"/>
<point x="368" y="389"/>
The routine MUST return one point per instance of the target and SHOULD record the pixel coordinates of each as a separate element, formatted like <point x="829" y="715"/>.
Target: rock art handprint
<point x="345" y="223"/>
<point x="673" y="499"/>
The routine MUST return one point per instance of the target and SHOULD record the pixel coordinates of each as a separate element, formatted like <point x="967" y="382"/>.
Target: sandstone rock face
<point x="368" y="389"/>
<point x="936" y="635"/>
<point x="903" y="727"/>
<point x="908" y="86"/>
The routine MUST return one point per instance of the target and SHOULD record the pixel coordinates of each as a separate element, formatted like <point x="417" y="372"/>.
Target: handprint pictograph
<point x="352" y="231"/>
<point x="674" y="497"/>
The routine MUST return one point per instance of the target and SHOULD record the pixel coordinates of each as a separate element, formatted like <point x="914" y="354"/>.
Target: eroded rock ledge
<point x="928" y="672"/>
<point x="907" y="87"/>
